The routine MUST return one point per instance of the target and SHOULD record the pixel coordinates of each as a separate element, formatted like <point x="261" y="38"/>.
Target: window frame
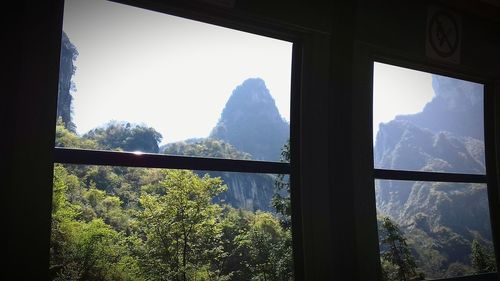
<point x="489" y="178"/>
<point x="237" y="21"/>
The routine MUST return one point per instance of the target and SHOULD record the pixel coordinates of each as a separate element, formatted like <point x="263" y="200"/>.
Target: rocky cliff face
<point x="251" y="122"/>
<point x="66" y="71"/>
<point x="441" y="219"/>
<point x="247" y="191"/>
<point x="402" y="145"/>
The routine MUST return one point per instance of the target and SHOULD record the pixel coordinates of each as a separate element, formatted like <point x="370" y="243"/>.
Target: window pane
<point x="445" y="226"/>
<point x="119" y="223"/>
<point x="137" y="80"/>
<point x="427" y="122"/>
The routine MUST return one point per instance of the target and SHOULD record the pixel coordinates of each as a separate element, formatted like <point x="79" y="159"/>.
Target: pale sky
<point x="167" y="72"/>
<point x="398" y="91"/>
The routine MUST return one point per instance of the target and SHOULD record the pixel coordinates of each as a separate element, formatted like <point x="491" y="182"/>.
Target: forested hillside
<point x="441" y="221"/>
<point x="118" y="223"/>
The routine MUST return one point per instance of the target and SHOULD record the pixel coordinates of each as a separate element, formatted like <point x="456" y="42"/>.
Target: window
<point x="431" y="185"/>
<point x="173" y="151"/>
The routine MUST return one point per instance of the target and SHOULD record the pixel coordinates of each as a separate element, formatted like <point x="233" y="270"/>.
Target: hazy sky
<point x="167" y="72"/>
<point x="176" y="74"/>
<point x="397" y="91"/>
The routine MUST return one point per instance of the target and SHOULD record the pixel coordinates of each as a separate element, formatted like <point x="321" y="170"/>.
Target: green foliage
<point x="103" y="177"/>
<point x="206" y="148"/>
<point x="126" y="137"/>
<point x="281" y="198"/>
<point x="235" y="224"/>
<point x="429" y="256"/>
<point x="177" y="221"/>
<point x="441" y="221"/>
<point x="482" y="261"/>
<point x="257" y="247"/>
<point x="82" y="250"/>
<point x="93" y="251"/>
<point x="66" y="138"/>
<point x="269" y="248"/>
<point x="100" y="205"/>
<point x="119" y="223"/>
<point x="397" y="261"/>
<point x="62" y="209"/>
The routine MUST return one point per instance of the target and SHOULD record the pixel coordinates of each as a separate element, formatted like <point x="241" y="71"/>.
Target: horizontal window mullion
<point x="428" y="176"/>
<point x="144" y="160"/>
<point x="477" y="277"/>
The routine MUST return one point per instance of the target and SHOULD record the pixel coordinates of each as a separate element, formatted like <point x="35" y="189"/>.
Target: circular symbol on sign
<point x="443" y="33"/>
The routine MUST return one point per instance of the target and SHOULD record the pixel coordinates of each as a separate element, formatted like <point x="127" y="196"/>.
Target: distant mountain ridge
<point x="440" y="219"/>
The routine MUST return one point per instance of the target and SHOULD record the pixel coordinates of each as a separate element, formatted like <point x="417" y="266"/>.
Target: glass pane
<point x="427" y="122"/>
<point x="119" y="223"/>
<point x="137" y="80"/>
<point x="433" y="230"/>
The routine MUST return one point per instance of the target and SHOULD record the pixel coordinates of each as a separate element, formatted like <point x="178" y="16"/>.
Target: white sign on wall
<point x="444" y="35"/>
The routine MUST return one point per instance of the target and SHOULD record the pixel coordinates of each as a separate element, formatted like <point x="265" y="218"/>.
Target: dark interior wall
<point x="315" y="15"/>
<point x="31" y="104"/>
<point x="335" y="128"/>
<point x="401" y="27"/>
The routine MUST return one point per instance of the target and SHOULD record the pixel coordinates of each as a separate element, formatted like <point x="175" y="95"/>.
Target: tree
<point x="235" y="226"/>
<point x="281" y="198"/>
<point x="85" y="249"/>
<point x="396" y="259"/>
<point x="482" y="262"/>
<point x="282" y="254"/>
<point x="181" y="227"/>
<point x="126" y="136"/>
<point x="266" y="244"/>
<point x="256" y="246"/>
<point x="98" y="204"/>
<point x="209" y="147"/>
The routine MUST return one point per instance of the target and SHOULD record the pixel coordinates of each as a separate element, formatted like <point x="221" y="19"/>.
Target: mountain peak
<point x="250" y="95"/>
<point x="251" y="121"/>
<point x="254" y="82"/>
